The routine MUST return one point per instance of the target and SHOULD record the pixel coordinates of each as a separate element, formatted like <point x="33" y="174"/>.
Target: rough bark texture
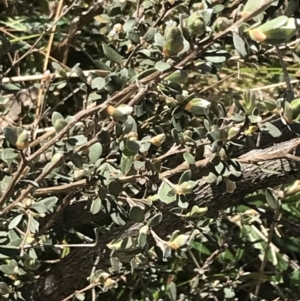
<point x="70" y="274"/>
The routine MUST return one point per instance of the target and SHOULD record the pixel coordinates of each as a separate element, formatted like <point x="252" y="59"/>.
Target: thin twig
<point x="26" y="234"/>
<point x="36" y="77"/>
<point x="90" y="286"/>
<point x="284" y="69"/>
<point x="40" y="95"/>
<point x="264" y="262"/>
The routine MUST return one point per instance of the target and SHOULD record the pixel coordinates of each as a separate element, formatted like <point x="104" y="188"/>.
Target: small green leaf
<point x="132" y="147"/>
<point x="239" y="44"/>
<point x="271" y="199"/>
<point x="9" y="154"/>
<point x="211" y="178"/>
<point x="49" y="202"/>
<point x="15" y="221"/>
<point x="291" y="7"/>
<point x="55" y="117"/>
<point x="185" y="177"/>
<point x="271" y="129"/>
<point x="80" y="296"/>
<point x="126" y="163"/>
<point x="96" y="206"/>
<point x="216" y="56"/>
<point x="142" y="240"/>
<point x="250" y="6"/>
<point x="39" y="208"/>
<point x="111" y="54"/>
<point x="80" y="73"/>
<point x="163" y="193"/>
<point x="137" y="214"/>
<point x="197" y="211"/>
<point x="34" y="225"/>
<point x="4" y="289"/>
<point x="155" y="220"/>
<point x="173" y="290"/>
<point x="95" y="152"/>
<point x="179" y="241"/>
<point x="98" y="83"/>
<point x="198" y="106"/>
<point x="149" y="35"/>
<point x="162" y="66"/>
<point x="179" y="76"/>
<point x="62" y="72"/>
<point x="189" y="158"/>
<point x="7" y="269"/>
<point x="10" y="133"/>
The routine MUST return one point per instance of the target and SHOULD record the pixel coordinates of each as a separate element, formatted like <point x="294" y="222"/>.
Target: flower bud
<point x="195" y="24"/>
<point x="275" y="31"/>
<point x="22" y="141"/>
<point x="197" y="106"/>
<point x="173" y="41"/>
<point x="184" y="188"/>
<point x="158" y="140"/>
<point x="221" y="24"/>
<point x="248" y="102"/>
<point x="60" y="124"/>
<point x="120" y="113"/>
<point x="110" y="283"/>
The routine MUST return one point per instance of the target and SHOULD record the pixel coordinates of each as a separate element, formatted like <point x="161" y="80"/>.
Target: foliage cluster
<point x="126" y="132"/>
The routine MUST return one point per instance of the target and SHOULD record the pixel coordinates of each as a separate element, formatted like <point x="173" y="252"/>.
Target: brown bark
<point x="70" y="274"/>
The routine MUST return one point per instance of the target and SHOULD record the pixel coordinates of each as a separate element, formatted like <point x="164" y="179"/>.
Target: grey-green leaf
<point x="162" y="66"/>
<point x="56" y="116"/>
<point x="126" y="163"/>
<point x="96" y="206"/>
<point x="15" y="221"/>
<point x="239" y="44"/>
<point x="95" y="152"/>
<point x="111" y="54"/>
<point x="98" y="83"/>
<point x="137" y="214"/>
<point x="9" y="154"/>
<point x="185" y="177"/>
<point x="149" y="35"/>
<point x="271" y="129"/>
<point x="271" y="199"/>
<point x="79" y="72"/>
<point x="189" y="158"/>
<point x="10" y="134"/>
<point x="155" y="220"/>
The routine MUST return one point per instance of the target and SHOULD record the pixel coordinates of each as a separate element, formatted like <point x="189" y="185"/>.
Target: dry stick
<point x="26" y="234"/>
<point x="40" y="96"/>
<point x="264" y="262"/>
<point x="24" y="78"/>
<point x="90" y="286"/>
<point x="30" y="46"/>
<point x="129" y="89"/>
<point x="29" y="51"/>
